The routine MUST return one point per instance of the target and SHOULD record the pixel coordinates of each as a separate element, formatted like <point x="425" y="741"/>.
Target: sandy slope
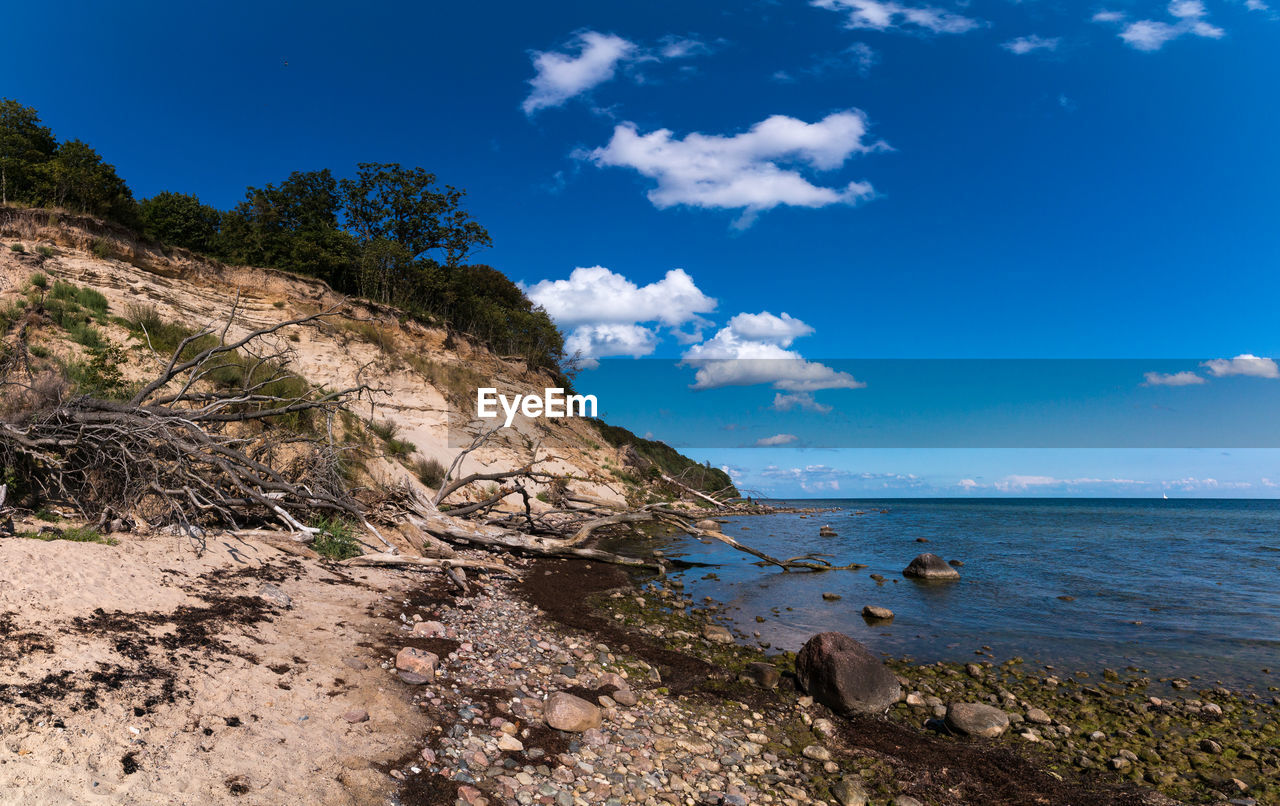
<point x="258" y="692"/>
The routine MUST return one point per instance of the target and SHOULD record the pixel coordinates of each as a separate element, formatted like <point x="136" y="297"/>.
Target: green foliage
<point x="76" y="534"/>
<point x="336" y="539"/>
<point x="78" y="179"/>
<point x="102" y="249"/>
<point x="88" y="298"/>
<point x="45" y="251"/>
<point x="26" y="147"/>
<point x="180" y="219"/>
<point x="666" y="459"/>
<point x="430" y="472"/>
<point x="40" y="281"/>
<point x="17" y="247"/>
<point x="99" y="375"/>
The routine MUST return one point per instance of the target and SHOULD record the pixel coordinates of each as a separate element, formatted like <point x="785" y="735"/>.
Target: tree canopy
<point x="389" y="233"/>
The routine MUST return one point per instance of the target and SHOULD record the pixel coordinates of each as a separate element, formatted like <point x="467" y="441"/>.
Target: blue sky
<point x="992" y="179"/>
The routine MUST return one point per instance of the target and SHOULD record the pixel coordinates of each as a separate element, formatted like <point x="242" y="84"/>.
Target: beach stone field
<point x="633" y="695"/>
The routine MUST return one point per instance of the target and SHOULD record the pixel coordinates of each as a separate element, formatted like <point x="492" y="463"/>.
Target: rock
<point x="510" y="744"/>
<point x="428" y="629"/>
<point x="816" y="752"/>
<point x="707" y="525"/>
<point x="915" y="699"/>
<point x="906" y="800"/>
<point x="875" y="613"/>
<point x="842" y="674"/>
<point x="416" y="662"/>
<point x="274" y="595"/>
<point x="717" y="634"/>
<point x="977" y="719"/>
<point x="848" y="792"/>
<point x="765" y="675"/>
<point x="1210" y="746"/>
<point x="355" y="663"/>
<point x="625" y="697"/>
<point x="356" y="715"/>
<point x="1038" y="717"/>
<point x="831" y="597"/>
<point x="930" y="566"/>
<point x="569" y="713"/>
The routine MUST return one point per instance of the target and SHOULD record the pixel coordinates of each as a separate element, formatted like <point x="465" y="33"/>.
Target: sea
<point x="1177" y="588"/>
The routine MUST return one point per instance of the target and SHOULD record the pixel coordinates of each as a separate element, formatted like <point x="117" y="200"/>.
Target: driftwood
<point x="402" y="560"/>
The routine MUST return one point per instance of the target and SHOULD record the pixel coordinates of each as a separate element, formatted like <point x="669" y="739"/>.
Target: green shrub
<point x="385" y="430"/>
<point x="40" y="281"/>
<point x="102" y="248"/>
<point x="336" y="539"/>
<point x="76" y="534"/>
<point x="45" y="251"/>
<point x="430" y="472"/>
<point x="17" y="247"/>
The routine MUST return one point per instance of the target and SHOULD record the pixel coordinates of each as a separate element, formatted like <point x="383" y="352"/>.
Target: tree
<point x="179" y="219"/>
<point x="25" y="146"/>
<point x="78" y="179"/>
<point x="293" y="226"/>
<point x="388" y="202"/>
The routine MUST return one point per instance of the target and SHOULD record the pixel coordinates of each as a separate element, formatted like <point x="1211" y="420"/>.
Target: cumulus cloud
<point x="1183" y="378"/>
<point x="605" y="312"/>
<point x="764" y="326"/>
<point x="560" y="76"/>
<point x="1151" y="35"/>
<point x="1256" y="5"/>
<point x="799" y="400"/>
<point x="751" y="350"/>
<point x="883" y="15"/>
<point x="775" y="440"/>
<point x="1023" y="45"/>
<point x="604" y="340"/>
<point x="590" y="59"/>
<point x="1247" y="365"/>
<point x="752" y="171"/>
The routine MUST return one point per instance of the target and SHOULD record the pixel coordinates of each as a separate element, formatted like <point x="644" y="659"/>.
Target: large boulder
<point x="930" y="566"/>
<point x="977" y="719"/>
<point x="843" y="675"/>
<point x="566" y="712"/>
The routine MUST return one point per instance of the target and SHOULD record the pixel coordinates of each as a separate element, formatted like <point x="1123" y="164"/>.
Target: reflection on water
<point x="1175" y="587"/>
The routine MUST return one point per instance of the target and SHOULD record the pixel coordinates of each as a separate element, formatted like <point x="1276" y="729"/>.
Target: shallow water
<point x="1201" y="577"/>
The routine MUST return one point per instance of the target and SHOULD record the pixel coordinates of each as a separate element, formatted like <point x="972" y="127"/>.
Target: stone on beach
<point x="717" y="634"/>
<point x="930" y="566"/>
<point x="416" y="664"/>
<point x="566" y="712"/>
<point x="356" y="715"/>
<point x="875" y="613"/>
<point x="977" y="719"/>
<point x="428" y="629"/>
<point x="707" y="525"/>
<point x="765" y="675"/>
<point x="843" y="675"/>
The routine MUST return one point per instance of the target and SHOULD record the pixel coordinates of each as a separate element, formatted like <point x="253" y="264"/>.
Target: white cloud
<point x="799" y="400"/>
<point x="757" y="355"/>
<point x="1151" y="35"/>
<point x="603" y="340"/>
<point x="882" y="15"/>
<point x="1017" y="483"/>
<point x="561" y="76"/>
<point x="1256" y="5"/>
<point x="1183" y="378"/>
<point x="1026" y="44"/>
<point x="1248" y="365"/>
<point x="764" y="326"/>
<point x="596" y="294"/>
<point x="677" y="47"/>
<point x="604" y="311"/>
<point x="775" y="440"/>
<point x="968" y="484"/>
<point x="751" y="171"/>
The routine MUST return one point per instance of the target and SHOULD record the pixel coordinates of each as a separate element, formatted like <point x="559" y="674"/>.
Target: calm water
<point x="1201" y="577"/>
